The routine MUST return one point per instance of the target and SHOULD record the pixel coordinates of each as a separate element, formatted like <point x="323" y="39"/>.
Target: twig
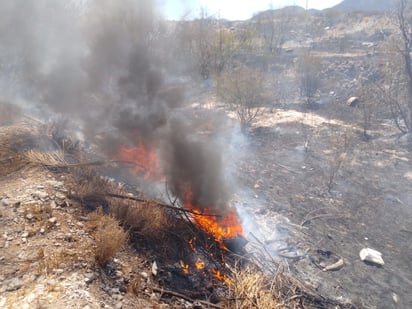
<point x="294" y="257"/>
<point x="206" y="303"/>
<point x="264" y="247"/>
<point x="321" y="216"/>
<point x="313" y="211"/>
<point x="133" y="198"/>
<point x="94" y="163"/>
<point x="286" y="168"/>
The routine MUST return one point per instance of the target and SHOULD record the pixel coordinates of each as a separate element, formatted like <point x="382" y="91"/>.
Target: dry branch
<point x="133" y="198"/>
<point x="163" y="291"/>
<point x="322" y="216"/>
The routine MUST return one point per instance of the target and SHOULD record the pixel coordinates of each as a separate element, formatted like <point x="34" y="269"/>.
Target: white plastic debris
<point x="371" y="255"/>
<point x="154" y="268"/>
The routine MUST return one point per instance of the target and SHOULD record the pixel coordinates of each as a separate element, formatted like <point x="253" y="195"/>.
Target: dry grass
<point x="146" y="218"/>
<point x="250" y="288"/>
<point x="155" y="228"/>
<point x="43" y="158"/>
<point x="108" y="235"/>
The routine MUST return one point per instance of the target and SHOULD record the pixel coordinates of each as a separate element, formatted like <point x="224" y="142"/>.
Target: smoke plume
<point x="104" y="65"/>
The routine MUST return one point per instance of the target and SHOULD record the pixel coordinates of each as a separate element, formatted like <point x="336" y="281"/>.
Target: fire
<point x="199" y="264"/>
<point x="221" y="277"/>
<point x="185" y="267"/>
<point x="145" y="159"/>
<point x="221" y="228"/>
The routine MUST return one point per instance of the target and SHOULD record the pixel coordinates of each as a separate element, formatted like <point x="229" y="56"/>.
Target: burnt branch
<point x="133" y="198"/>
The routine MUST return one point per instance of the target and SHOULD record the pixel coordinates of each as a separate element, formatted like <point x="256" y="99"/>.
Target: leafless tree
<point x="398" y="88"/>
<point x="241" y="90"/>
<point x="309" y="67"/>
<point x="273" y="29"/>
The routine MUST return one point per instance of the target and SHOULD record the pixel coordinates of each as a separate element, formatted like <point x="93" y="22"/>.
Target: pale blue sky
<point x="234" y="9"/>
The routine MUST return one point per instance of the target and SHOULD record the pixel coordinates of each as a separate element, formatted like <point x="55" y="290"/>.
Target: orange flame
<point x="185" y="267"/>
<point x="199" y="264"/>
<point x="145" y="159"/>
<point x="221" y="277"/>
<point x="221" y="228"/>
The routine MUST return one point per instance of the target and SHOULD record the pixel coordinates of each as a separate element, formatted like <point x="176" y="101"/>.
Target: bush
<point x="108" y="235"/>
<point x="241" y="91"/>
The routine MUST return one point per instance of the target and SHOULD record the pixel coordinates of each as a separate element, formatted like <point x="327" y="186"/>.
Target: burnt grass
<point x="366" y="203"/>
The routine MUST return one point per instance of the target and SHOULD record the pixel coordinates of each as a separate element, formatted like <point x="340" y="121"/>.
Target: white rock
<point x="144" y="275"/>
<point x="371" y="255"/>
<point x="52" y="220"/>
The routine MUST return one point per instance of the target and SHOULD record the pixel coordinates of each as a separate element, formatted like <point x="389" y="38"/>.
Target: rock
<point x="5" y="202"/>
<point x="122" y="289"/>
<point x="53" y="204"/>
<point x="42" y="230"/>
<point x="144" y="275"/>
<point x="117" y="297"/>
<point x="119" y="305"/>
<point x="90" y="278"/>
<point x="25" y="234"/>
<point x="29" y="216"/>
<point x="41" y="195"/>
<point x="118" y="274"/>
<point x="115" y="291"/>
<point x="53" y="220"/>
<point x="60" y="196"/>
<point x="13" y="285"/>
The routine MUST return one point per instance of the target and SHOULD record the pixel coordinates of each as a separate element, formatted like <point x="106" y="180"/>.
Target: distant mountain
<point x="366" y="5"/>
<point x="288" y="10"/>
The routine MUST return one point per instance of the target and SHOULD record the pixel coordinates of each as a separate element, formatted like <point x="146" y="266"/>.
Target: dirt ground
<point x="47" y="248"/>
<point x="291" y="157"/>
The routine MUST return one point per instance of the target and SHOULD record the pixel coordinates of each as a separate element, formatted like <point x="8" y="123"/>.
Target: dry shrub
<point x="145" y="217"/>
<point x="49" y="260"/>
<point x="40" y="212"/>
<point x="108" y="235"/>
<point x="89" y="189"/>
<point x="249" y="288"/>
<point x="45" y="158"/>
<point x="154" y="227"/>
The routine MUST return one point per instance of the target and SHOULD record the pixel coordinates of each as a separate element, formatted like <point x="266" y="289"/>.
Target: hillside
<point x="203" y="163"/>
<point x="366" y="5"/>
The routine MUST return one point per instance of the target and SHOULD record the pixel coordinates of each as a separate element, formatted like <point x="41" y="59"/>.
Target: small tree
<point x="397" y="88"/>
<point x="273" y="29"/>
<point x="241" y="90"/>
<point x="309" y="67"/>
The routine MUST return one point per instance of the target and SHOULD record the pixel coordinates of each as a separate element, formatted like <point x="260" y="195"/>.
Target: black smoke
<point x="105" y="64"/>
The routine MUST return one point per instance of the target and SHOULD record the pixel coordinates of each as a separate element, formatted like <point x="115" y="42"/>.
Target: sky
<point x="234" y="9"/>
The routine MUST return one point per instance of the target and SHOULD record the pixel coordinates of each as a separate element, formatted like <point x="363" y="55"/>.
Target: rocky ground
<point x="47" y="248"/>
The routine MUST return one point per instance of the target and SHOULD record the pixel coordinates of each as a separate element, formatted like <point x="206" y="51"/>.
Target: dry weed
<point x="249" y="288"/>
<point x="43" y="158"/>
<point x="89" y="189"/>
<point x="108" y="235"/>
<point x="146" y="218"/>
<point x="52" y="260"/>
